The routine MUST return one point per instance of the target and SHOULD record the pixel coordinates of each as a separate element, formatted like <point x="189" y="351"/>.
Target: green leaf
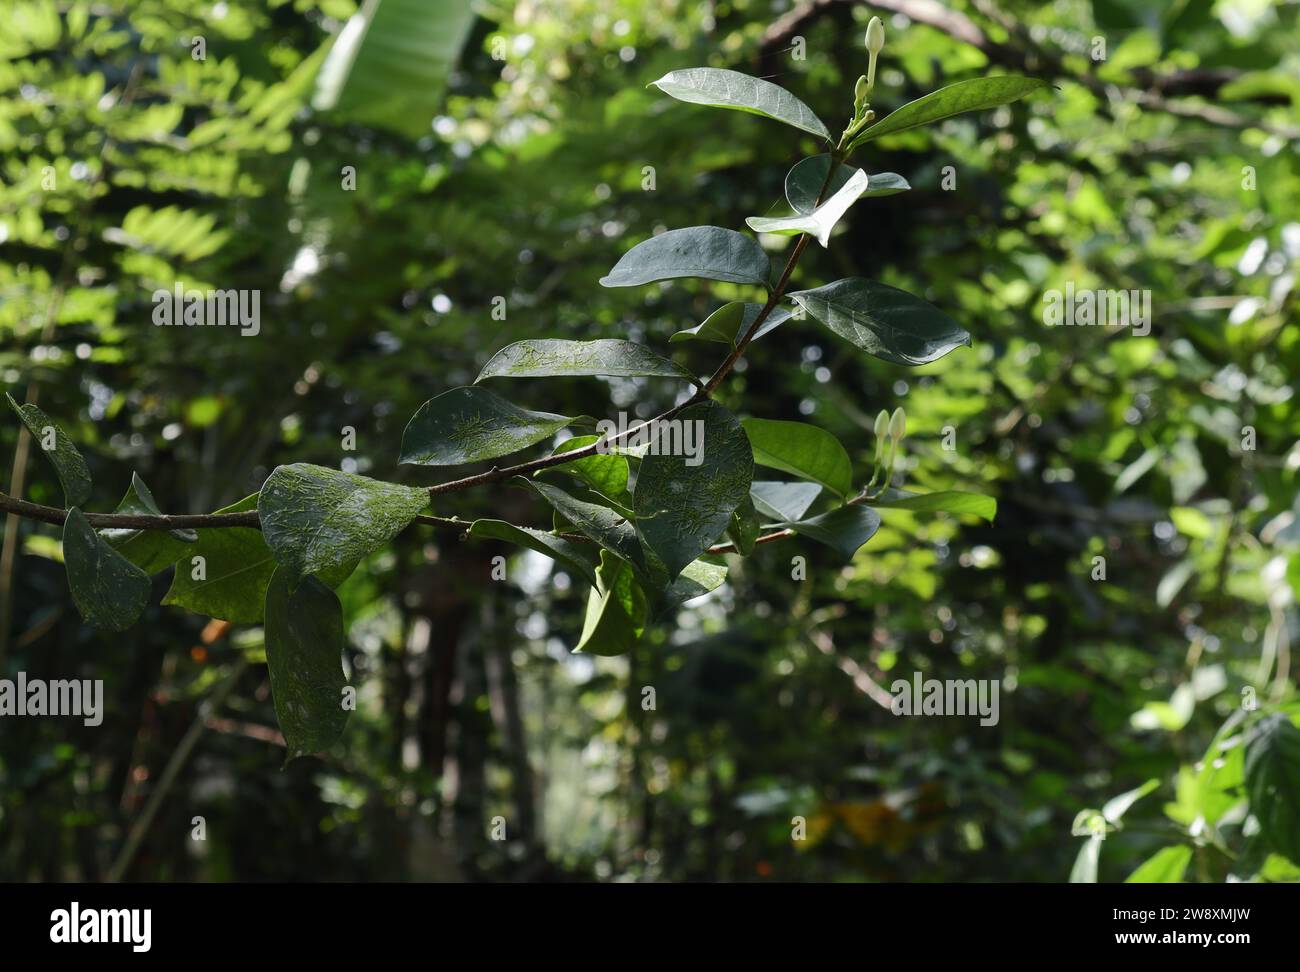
<point x="389" y="65"/>
<point x="150" y="550"/>
<point x="730" y="321"/>
<point x="802" y="449"/>
<point x="608" y="356"/>
<point x="803" y="183"/>
<point x="720" y="88"/>
<point x="317" y="519"/>
<point x="821" y="221"/>
<point x="884" y="321"/>
<point x="844" y="529"/>
<point x="943" y="501"/>
<point x="697" y="578"/>
<point x="684" y="502"/>
<point x="606" y="473"/>
<point x="71" y="468"/>
<point x="598" y="523"/>
<point x="236" y="567"/>
<point x="745" y="527"/>
<point x="471" y="424"/>
<point x="786" y="502"/>
<point x="1166" y="866"/>
<point x="110" y="592"/>
<point x="1272" y="775"/>
<point x="580" y="557"/>
<point x="616" y="610"/>
<point x="710" y="252"/>
<point x="304" y="655"/>
<point x="971" y="95"/>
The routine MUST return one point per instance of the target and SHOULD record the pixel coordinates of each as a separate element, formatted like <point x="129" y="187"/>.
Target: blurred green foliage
<point x="1169" y="166"/>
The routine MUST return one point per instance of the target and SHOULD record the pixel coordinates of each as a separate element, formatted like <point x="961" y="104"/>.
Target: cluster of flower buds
<point x="862" y="115"/>
<point x="889" y="430"/>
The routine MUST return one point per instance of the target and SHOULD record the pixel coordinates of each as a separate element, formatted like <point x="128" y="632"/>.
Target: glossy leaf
<point x="783" y="501"/>
<point x="697" y="578"/>
<point x="844" y="529"/>
<point x="472" y="424"/>
<point x="236" y="568"/>
<point x="604" y="526"/>
<point x="805" y="181"/>
<point x="68" y="463"/>
<point x="710" y="252"/>
<point x="944" y="501"/>
<point x="821" y="221"/>
<point x="970" y="95"/>
<point x="580" y="557"/>
<point x="730" y="322"/>
<point x="110" y="592"/>
<point x="682" y="508"/>
<point x="606" y="473"/>
<point x="884" y="321"/>
<point x="616" y="610"/>
<point x="304" y="652"/>
<point x="150" y="550"/>
<point x="719" y="88"/>
<point x="807" y="451"/>
<point x="557" y="358"/>
<point x="317" y="519"/>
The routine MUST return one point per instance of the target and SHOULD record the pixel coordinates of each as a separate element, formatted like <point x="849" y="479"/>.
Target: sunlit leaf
<point x="720" y="88"/>
<point x="472" y="424"/>
<point x="884" y="321"/>
<point x="710" y="252"/>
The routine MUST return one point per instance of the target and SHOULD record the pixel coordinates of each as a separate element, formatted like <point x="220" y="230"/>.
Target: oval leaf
<point x="820" y="221"/>
<point x="804" y="182"/>
<point x="710" y="252"/>
<point x="109" y="590"/>
<point x="317" y="519"/>
<point x="844" y="530"/>
<point x="783" y="501"/>
<point x="684" y="502"/>
<point x="472" y="424"/>
<point x="944" y="501"/>
<point x="50" y="438"/>
<point x="616" y="611"/>
<point x="697" y="578"/>
<point x="719" y="88"/>
<point x="608" y="356"/>
<point x="884" y="321"/>
<point x="234" y="566"/>
<point x="971" y="95"/>
<point x="304" y="656"/>
<point x="805" y="450"/>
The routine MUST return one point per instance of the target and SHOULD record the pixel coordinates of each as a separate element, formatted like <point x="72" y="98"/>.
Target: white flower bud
<point x="882" y="424"/>
<point x="875" y="36"/>
<point x="898" y="424"/>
